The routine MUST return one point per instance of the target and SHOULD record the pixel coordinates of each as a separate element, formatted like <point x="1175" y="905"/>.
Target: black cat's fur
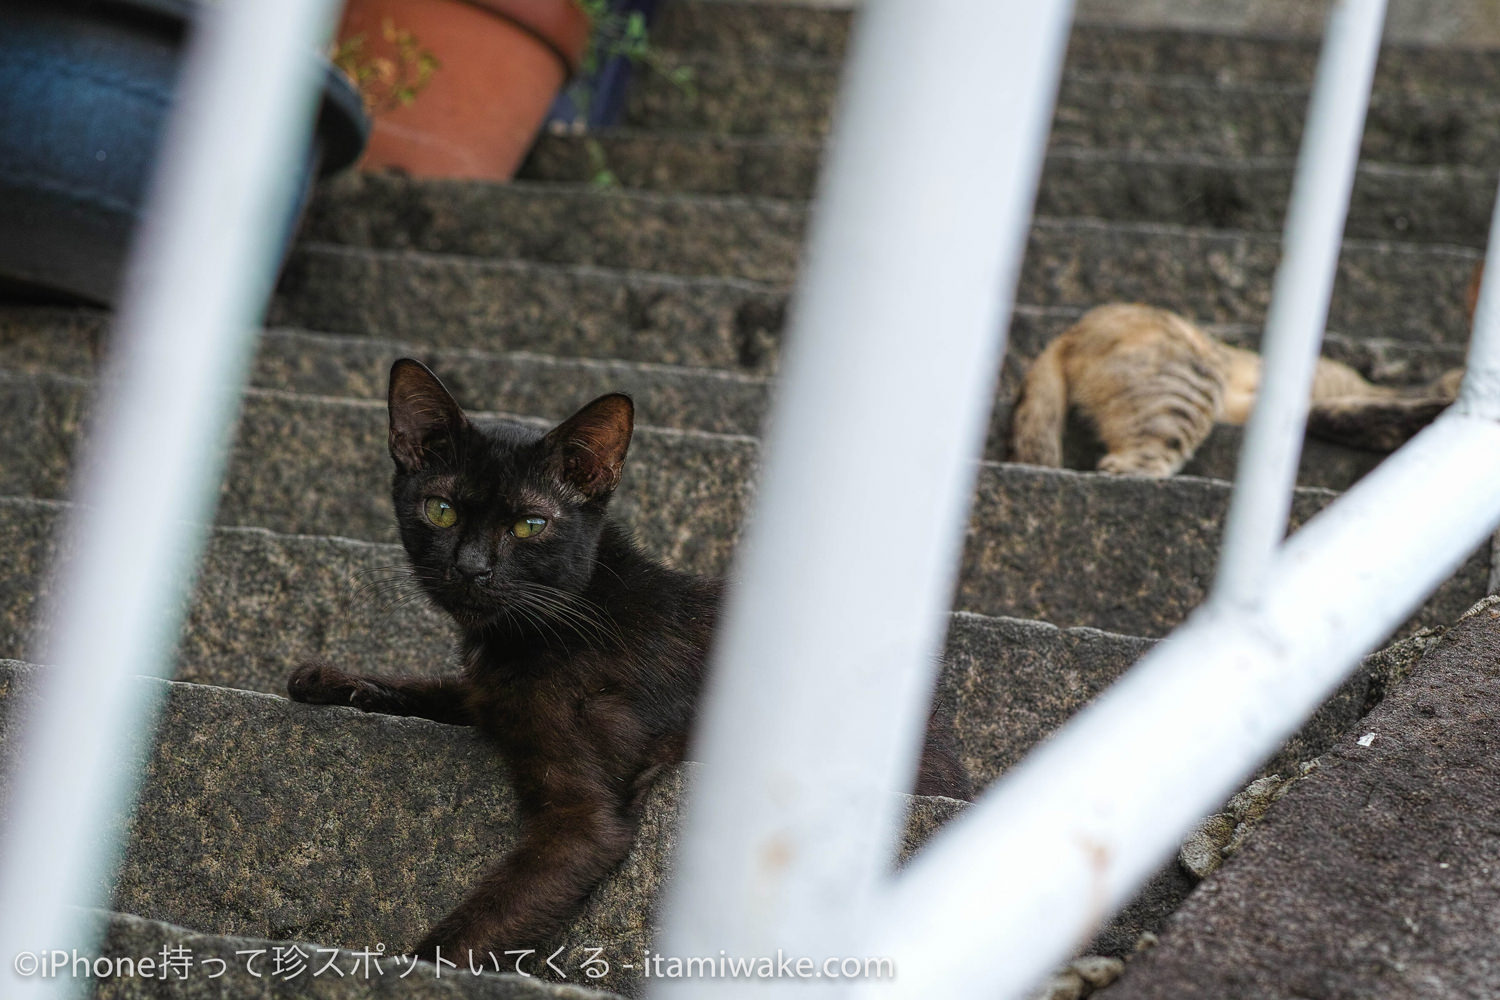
<point x="582" y="657"/>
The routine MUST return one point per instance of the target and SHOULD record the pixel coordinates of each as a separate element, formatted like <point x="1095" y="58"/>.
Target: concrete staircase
<point x="1165" y="182"/>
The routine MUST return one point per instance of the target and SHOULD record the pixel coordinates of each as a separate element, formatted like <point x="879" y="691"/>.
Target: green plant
<point x="625" y="35"/>
<point x="620" y="34"/>
<point x="386" y="81"/>
<point x="603" y="177"/>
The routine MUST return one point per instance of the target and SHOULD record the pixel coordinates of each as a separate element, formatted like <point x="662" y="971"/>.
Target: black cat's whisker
<point x="595" y="614"/>
<point x="548" y="615"/>
<point x="388" y="594"/>
<point x="389" y="580"/>
<point x="396" y="604"/>
<point x="389" y="568"/>
<point x="575" y="611"/>
<point x="394" y="583"/>
<point x="377" y="598"/>
<point x="608" y="569"/>
<point x="534" y="615"/>
<point x="549" y="610"/>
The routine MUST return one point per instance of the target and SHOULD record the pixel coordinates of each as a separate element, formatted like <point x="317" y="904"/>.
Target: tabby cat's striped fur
<point x="1153" y="385"/>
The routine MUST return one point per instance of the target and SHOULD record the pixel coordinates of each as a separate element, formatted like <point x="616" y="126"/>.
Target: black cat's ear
<point x="424" y="415"/>
<point x="588" y="449"/>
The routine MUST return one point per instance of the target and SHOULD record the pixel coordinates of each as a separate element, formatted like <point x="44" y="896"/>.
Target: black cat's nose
<point x="473" y="565"/>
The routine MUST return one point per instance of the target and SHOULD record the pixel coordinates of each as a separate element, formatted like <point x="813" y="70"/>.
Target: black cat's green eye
<point x="528" y="526"/>
<point x="440" y="512"/>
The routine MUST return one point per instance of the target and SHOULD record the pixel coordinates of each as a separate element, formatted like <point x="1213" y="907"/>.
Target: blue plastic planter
<point x="85" y="88"/>
<point x="608" y="86"/>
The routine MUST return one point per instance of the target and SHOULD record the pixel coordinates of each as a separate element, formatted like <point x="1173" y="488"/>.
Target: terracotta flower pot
<point x="501" y="63"/>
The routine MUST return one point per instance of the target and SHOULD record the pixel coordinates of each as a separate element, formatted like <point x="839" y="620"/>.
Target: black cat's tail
<point x="1036" y="423"/>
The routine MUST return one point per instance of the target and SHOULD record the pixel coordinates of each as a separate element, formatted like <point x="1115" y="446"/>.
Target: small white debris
<point x="1097" y="970"/>
<point x="1064" y="986"/>
<point x="1366" y="739"/>
<point x="1442" y="864"/>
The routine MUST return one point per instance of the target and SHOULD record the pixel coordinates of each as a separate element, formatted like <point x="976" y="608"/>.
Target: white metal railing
<point x="1300" y="294"/>
<point x="199" y="275"/>
<point x="777" y="851"/>
<point x="1480" y="394"/>
<point x="815" y="712"/>
<point x="1061" y="841"/>
<point x="828" y="652"/>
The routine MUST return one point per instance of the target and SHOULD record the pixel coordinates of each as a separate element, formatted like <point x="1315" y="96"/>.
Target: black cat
<point x="583" y="658"/>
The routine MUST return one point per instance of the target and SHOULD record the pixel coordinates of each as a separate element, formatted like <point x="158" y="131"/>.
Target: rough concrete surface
<point x="1377" y="876"/>
<point x="1439" y="204"/>
<point x="265" y="601"/>
<point x="264" y="818"/>
<point x="55" y="341"/>
<point x="1221" y="40"/>
<point x="318" y="466"/>
<point x="1212" y="275"/>
<point x="1462" y="23"/>
<point x="1415" y="122"/>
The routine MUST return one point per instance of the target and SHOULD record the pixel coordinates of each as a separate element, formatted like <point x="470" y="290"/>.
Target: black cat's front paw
<point x="427" y="950"/>
<point x="441" y="945"/>
<point x="457" y="939"/>
<point x="319" y="683"/>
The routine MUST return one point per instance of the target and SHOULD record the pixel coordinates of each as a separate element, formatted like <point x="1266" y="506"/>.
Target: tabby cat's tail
<point x="1036" y="423"/>
<point x="1375" y="425"/>
<point x="1384" y="421"/>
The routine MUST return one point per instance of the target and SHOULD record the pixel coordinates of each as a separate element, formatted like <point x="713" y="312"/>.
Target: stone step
<point x="738" y="30"/>
<point x="1184" y="116"/>
<point x="65" y="341"/>
<point x="449" y="303"/>
<point x="688" y="162"/>
<point x="752" y="30"/>
<point x="264" y="830"/>
<point x="263" y="818"/>
<point x="1127" y="554"/>
<point x="1221" y="58"/>
<point x="1416" y="204"/>
<point x="1375" y="875"/>
<point x="1181" y="115"/>
<point x="1401" y="291"/>
<point x="309" y="465"/>
<point x="458" y="302"/>
<point x="1014" y="682"/>
<point x="756" y="239"/>
<point x="239" y="966"/>
<point x="41" y="340"/>
<point x="265" y="602"/>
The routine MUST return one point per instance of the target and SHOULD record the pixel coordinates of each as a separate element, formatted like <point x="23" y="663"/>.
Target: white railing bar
<point x="1480" y="393"/>
<point x="200" y="271"/>
<point x="827" y="654"/>
<point x="1300" y="295"/>
<point x="1061" y="842"/>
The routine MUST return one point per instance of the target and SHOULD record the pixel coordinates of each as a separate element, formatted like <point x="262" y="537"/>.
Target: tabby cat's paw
<point x="1136" y="463"/>
<point x="319" y="683"/>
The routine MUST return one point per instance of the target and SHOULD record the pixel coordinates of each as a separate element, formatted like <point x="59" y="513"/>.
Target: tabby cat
<point x="1153" y="385"/>
<point x="582" y="657"/>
